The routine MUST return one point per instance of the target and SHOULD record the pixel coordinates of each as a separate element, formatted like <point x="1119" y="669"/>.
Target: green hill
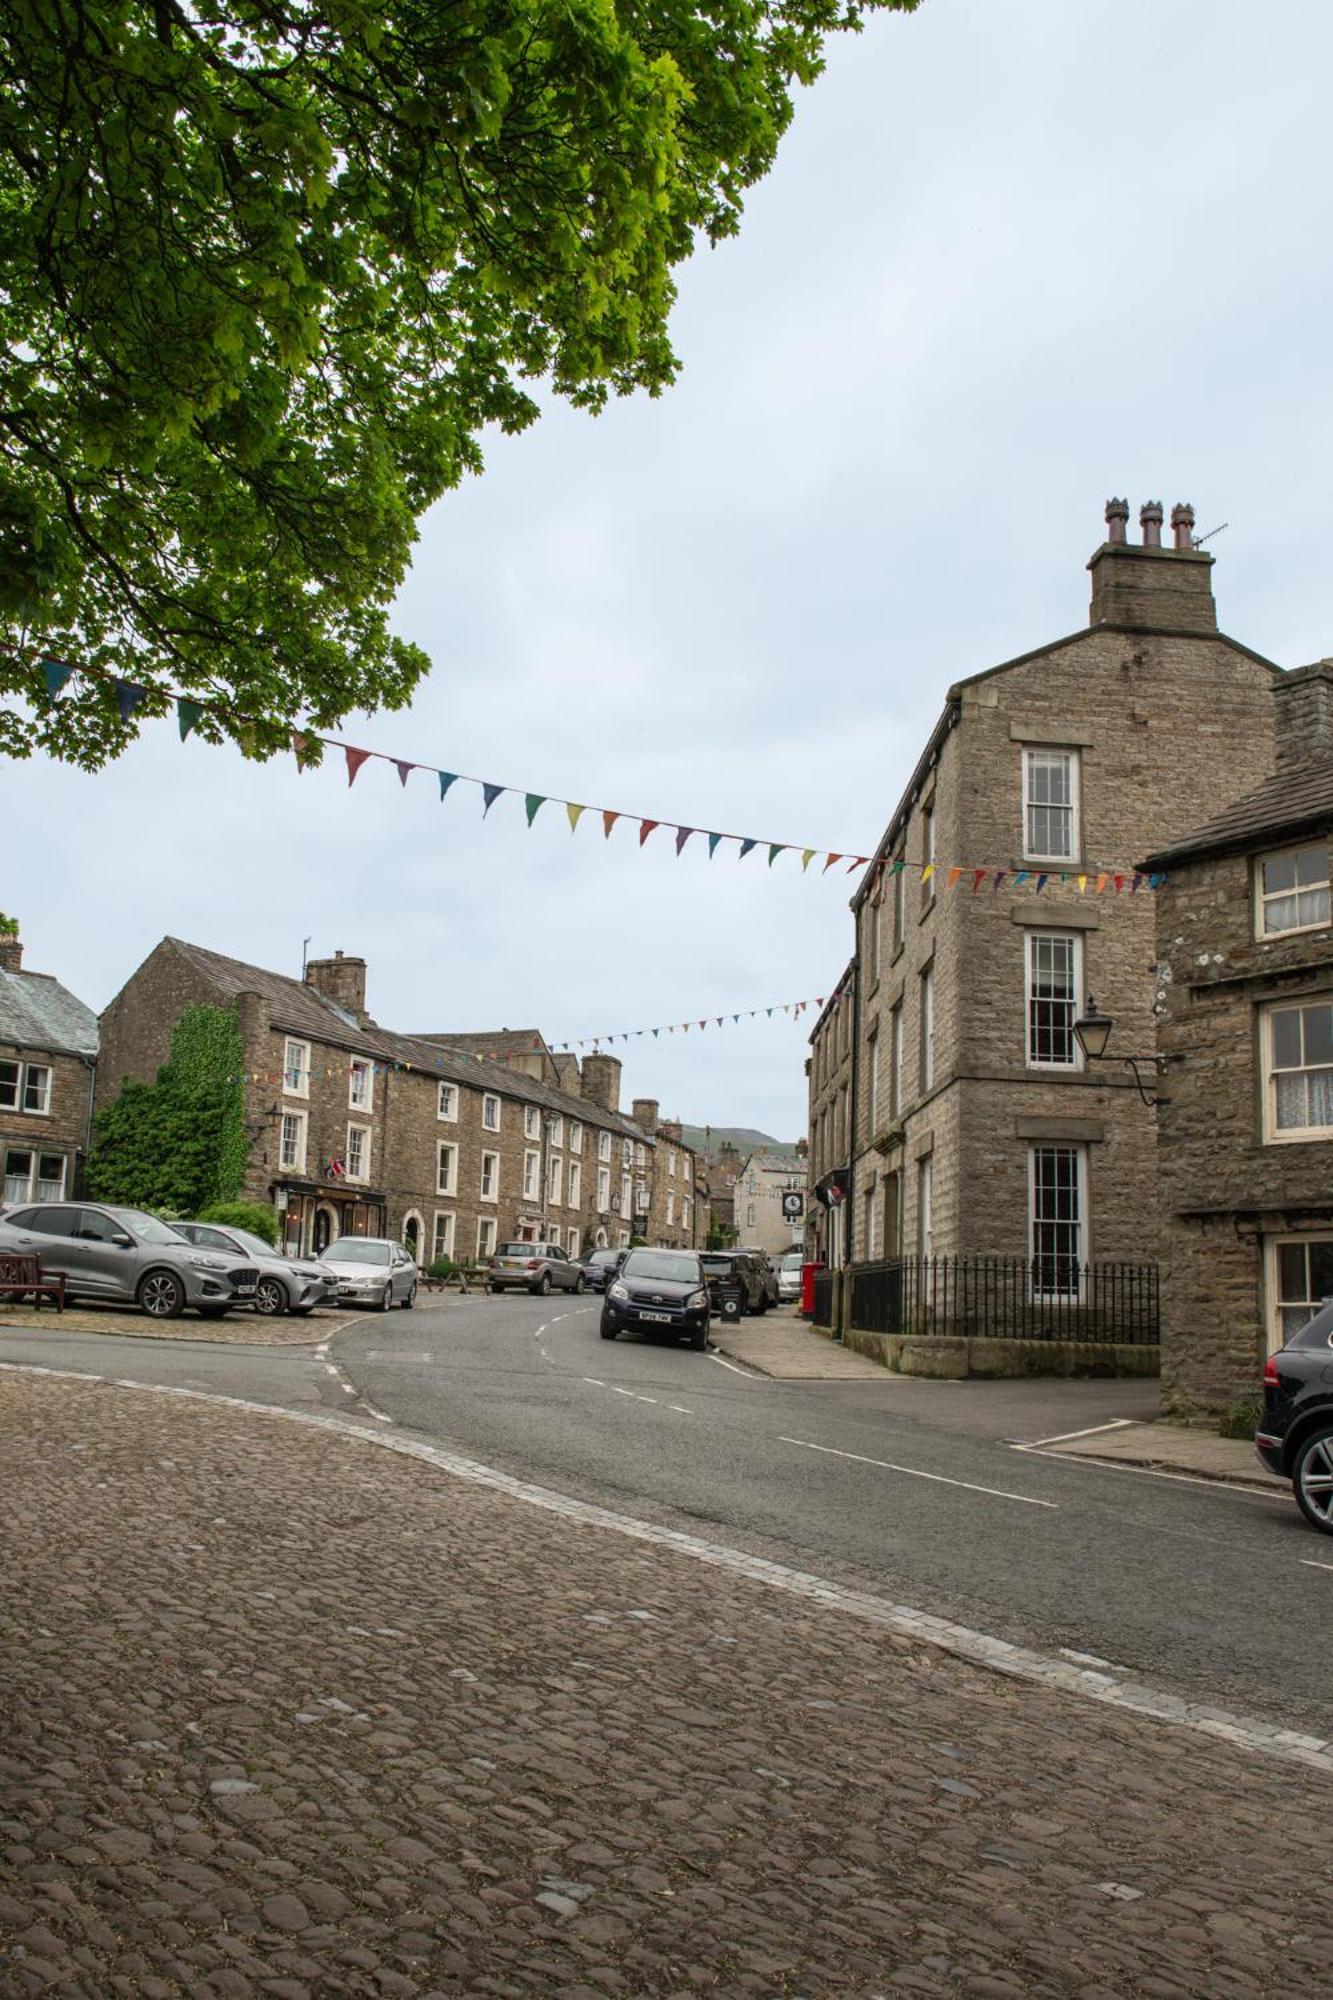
<point x="710" y="1139"/>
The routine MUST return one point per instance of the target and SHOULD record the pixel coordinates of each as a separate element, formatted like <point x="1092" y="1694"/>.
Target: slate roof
<point x="498" y="1042"/>
<point x="1291" y="802"/>
<point x="300" y="1008"/>
<point x="37" y="1012"/>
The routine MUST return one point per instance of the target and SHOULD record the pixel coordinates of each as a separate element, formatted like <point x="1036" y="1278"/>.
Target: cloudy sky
<point x="1017" y="255"/>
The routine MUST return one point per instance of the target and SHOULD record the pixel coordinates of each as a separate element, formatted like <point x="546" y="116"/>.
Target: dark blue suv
<point x="1295" y="1434"/>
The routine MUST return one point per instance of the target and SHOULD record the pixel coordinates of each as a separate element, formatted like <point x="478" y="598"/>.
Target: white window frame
<point x="1080" y="1154"/>
<point x="686" y="1167"/>
<point x="899" y="905"/>
<point x="1044" y="753"/>
<point x="35" y="1182"/>
<point x="925" y="1206"/>
<point x="300" y="1069"/>
<point x="490" y="1170"/>
<point x="603" y="1190"/>
<point x="927" y="1029"/>
<point x="626" y="1152"/>
<point x="446" y="1106"/>
<point x="575" y="1183"/>
<point x="358" y="1067"/>
<point x="626" y="1196"/>
<point x="444" y="1227"/>
<point x="24" y="1072"/>
<point x="1264" y="898"/>
<point x="486" y="1231"/>
<point x="896" y="1061"/>
<point x="872" y="1074"/>
<point x="576" y="1137"/>
<point x="671" y="1207"/>
<point x="531" y="1169"/>
<point x="555" y="1175"/>
<point x="446" y="1167"/>
<point x="359" y="1174"/>
<point x="557" y="1132"/>
<point x="687" y="1215"/>
<point x="749" y="1215"/>
<point x="1273" y="1133"/>
<point x="532" y="1122"/>
<point x="490" y="1112"/>
<point x="604" y="1146"/>
<point x="296" y="1164"/>
<point x="1031" y="942"/>
<point x="1277" y="1334"/>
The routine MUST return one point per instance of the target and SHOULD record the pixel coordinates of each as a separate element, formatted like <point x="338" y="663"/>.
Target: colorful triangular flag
<point x="446" y="779"/>
<point x="829" y="863"/>
<point x="682" y="835"/>
<point x="575" y="815"/>
<point x="775" y="847"/>
<point x="646" y="826"/>
<point x="608" y="821"/>
<point x="532" y="805"/>
<point x="807" y="856"/>
<point x="746" y="846"/>
<point x="403" y="769"/>
<point x="55" y="673"/>
<point x="355" y="759"/>
<point x="713" y="840"/>
<point x="490" y="793"/>
<point x="129" y="694"/>
<point x="187" y="715"/>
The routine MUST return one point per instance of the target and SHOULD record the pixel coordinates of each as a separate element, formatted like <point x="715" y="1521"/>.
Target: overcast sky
<point x="1016" y="256"/>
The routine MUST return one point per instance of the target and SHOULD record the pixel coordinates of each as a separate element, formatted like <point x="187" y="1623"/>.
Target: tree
<point x="178" y="1144"/>
<point x="268" y="270"/>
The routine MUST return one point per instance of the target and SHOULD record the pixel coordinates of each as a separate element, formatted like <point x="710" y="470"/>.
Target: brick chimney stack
<point x="601" y="1081"/>
<point x="11" y="953"/>
<point x="1303" y="716"/>
<point x="644" y="1113"/>
<point x="341" y="980"/>
<point x="1147" y="588"/>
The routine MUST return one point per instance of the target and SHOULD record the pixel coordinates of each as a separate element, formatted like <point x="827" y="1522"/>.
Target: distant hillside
<point x="710" y="1139"/>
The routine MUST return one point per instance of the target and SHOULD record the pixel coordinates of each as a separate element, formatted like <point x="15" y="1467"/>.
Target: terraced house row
<point x="452" y="1143"/>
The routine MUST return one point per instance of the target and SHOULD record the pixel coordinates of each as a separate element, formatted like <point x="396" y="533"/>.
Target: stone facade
<point x="828" y="1071"/>
<point x="1246" y="1008"/>
<point x="760" y="1186"/>
<point x="48" y="1054"/>
<point x="358" y="1130"/>
<point x="979" y="1128"/>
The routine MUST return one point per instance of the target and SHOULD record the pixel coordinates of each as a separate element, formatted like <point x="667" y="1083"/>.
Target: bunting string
<point x="307" y="747"/>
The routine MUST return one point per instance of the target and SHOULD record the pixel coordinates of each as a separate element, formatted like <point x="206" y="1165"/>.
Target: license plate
<point x="245" y="1291"/>
<point x="664" y="1319"/>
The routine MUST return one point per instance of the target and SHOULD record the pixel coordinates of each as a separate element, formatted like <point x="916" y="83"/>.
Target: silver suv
<point x="536" y="1267"/>
<point x="125" y="1255"/>
<point x="286" y="1284"/>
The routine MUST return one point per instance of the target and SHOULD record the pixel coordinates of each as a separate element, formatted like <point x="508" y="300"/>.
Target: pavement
<point x="290" y="1714"/>
<point x="242" y="1329"/>
<point x="786" y="1347"/>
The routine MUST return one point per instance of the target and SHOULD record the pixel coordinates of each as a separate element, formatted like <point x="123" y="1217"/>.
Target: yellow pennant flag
<point x="807" y="856"/>
<point x="1082" y="884"/>
<point x="928" y="871"/>
<point x="575" y="815"/>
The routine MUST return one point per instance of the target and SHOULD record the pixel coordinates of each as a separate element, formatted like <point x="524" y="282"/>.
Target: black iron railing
<point x="823" y="1298"/>
<point x="1008" y="1298"/>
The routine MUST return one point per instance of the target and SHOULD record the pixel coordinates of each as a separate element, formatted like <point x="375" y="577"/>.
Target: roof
<point x="303" y="1009"/>
<point x="1295" y="800"/>
<point x="498" y="1042"/>
<point x="37" y="1012"/>
<point x="773" y="1163"/>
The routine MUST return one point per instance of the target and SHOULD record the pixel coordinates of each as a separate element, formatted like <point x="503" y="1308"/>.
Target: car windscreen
<point x="716" y="1263"/>
<point x="792" y="1261"/>
<point x="672" y="1268"/>
<point x="603" y="1257"/>
<point x="355" y="1250"/>
<point x="148" y="1228"/>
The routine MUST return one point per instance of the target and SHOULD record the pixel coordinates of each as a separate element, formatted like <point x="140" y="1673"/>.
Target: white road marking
<point x="1263" y="1738"/>
<point x="1063" y="1437"/>
<point x="680" y="1409"/>
<point x="594" y="1382"/>
<point x="1152" y="1472"/>
<point x="885" y="1465"/>
<point x="744" y="1373"/>
<point x="1308" y="1562"/>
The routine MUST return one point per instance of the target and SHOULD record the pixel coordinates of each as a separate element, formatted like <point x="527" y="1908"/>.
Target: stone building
<point x="1245" y="953"/>
<point x="48" y="1059"/>
<point x="762" y="1187"/>
<point x="357" y="1130"/>
<point x="976" y="1128"/>
<point x="828" y="1071"/>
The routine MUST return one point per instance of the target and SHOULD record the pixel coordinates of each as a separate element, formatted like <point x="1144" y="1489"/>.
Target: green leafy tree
<point x="268" y="270"/>
<point x="256" y="1216"/>
<point x="178" y="1144"/>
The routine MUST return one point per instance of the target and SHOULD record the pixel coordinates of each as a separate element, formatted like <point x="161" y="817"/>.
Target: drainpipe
<point x="90" y="1064"/>
<point x="852" y="1125"/>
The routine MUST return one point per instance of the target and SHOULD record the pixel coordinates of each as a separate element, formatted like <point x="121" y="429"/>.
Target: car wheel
<point x="386" y="1298"/>
<point x="1312" y="1479"/>
<point x="162" y="1295"/>
<point x="543" y="1284"/>
<point x="495" y="1288"/>
<point x="579" y="1286"/>
<point x="700" y="1339"/>
<point x="270" y="1297"/>
<point x="763" y="1307"/>
<point x="608" y="1331"/>
<point x="411" y="1298"/>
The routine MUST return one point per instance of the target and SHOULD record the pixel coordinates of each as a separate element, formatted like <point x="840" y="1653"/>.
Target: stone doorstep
<point x="1167" y="1447"/>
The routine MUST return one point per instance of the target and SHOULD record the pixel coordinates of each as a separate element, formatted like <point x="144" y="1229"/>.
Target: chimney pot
<point x="1117" y="520"/>
<point x="1150" y="520"/>
<point x="1182" y="525"/>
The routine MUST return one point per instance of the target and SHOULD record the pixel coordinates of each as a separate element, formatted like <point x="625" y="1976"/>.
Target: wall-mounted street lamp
<point x="1093" y="1030"/>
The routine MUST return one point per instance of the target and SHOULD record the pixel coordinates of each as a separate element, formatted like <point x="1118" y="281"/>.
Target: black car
<point x="658" y="1291"/>
<point x="1295" y="1434"/>
<point x="599" y="1267"/>
<point x="739" y="1270"/>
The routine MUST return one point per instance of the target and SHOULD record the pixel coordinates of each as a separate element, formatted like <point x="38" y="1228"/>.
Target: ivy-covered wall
<point x="178" y="1144"/>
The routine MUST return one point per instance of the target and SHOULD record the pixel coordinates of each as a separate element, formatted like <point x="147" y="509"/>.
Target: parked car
<point x="129" y="1257"/>
<point x="598" y="1267"/>
<point x="731" y="1282"/>
<point x="286" y="1284"/>
<point x="790" y="1266"/>
<point x="536" y="1267"/>
<point x="1295" y="1434"/>
<point x="768" y="1277"/>
<point x="745" y="1271"/>
<point x="658" y="1291"/>
<point x="372" y="1271"/>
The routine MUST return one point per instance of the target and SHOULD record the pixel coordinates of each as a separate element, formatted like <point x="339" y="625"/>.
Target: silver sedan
<point x="372" y="1271"/>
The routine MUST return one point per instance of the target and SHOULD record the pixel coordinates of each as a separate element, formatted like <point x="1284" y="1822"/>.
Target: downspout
<point x="852" y="1125"/>
<point x="90" y="1064"/>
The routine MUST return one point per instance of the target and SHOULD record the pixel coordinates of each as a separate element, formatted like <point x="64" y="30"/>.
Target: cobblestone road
<point x="242" y="1329"/>
<point x="287" y="1715"/>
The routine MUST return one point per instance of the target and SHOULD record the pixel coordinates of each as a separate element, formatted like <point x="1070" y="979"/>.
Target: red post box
<point x="808" y="1289"/>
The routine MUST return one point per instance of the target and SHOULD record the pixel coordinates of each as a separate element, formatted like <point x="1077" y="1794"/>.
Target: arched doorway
<point x="412" y="1230"/>
<point x="326" y="1229"/>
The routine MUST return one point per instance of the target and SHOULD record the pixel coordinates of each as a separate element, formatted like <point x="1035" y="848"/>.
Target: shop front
<point x="316" y="1213"/>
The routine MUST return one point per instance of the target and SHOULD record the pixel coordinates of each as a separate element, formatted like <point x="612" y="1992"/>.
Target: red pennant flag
<point x="645" y="828"/>
<point x="608" y="821"/>
<point x="355" y="759"/>
<point x="978" y="877"/>
<point x="829" y="863"/>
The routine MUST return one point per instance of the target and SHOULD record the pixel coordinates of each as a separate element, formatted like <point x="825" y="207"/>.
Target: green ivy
<point x="178" y="1144"/>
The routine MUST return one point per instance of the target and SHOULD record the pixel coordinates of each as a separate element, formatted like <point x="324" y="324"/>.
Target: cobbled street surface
<point x="242" y="1329"/>
<point x="288" y="1715"/>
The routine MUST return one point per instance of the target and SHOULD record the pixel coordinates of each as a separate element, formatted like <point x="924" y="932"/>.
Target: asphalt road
<point x="911" y="1491"/>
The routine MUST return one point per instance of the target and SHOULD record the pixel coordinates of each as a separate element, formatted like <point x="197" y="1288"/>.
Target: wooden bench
<point x="21" y="1273"/>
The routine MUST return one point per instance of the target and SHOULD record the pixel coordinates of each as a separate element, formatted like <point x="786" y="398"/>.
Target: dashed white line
<point x="1063" y="1437"/>
<point x="1308" y="1562"/>
<point x="914" y="1472"/>
<point x="680" y="1409"/>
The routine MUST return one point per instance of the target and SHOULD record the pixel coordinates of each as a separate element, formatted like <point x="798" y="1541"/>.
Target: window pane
<point x="1318" y="1025"/>
<point x="9" y="1086"/>
<point x="1286" y="1026"/>
<point x="1319" y="1096"/>
<point x="1311" y="865"/>
<point x="1279" y="874"/>
<point x="1321" y="1270"/>
<point x="1290" y="1109"/>
<point x="1291" y="1280"/>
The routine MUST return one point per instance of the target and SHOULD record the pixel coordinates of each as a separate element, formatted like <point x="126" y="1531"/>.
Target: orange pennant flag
<point x="608" y="821"/>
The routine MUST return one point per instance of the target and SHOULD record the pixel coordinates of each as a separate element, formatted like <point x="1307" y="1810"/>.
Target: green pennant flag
<point x="446" y="779"/>
<point x="187" y="715"/>
<point x="713" y="840"/>
<point x="533" y="804"/>
<point x="776" y="847"/>
<point x="55" y="673"/>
